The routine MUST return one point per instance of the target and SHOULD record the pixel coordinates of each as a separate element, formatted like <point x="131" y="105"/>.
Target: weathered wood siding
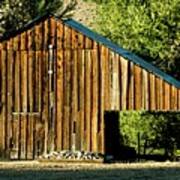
<point x="56" y="84"/>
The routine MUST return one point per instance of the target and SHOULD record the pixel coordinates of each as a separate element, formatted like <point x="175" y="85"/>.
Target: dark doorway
<point x="112" y="134"/>
<point x="114" y="145"/>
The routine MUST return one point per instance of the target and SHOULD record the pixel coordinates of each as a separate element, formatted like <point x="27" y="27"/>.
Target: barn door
<point x="29" y="104"/>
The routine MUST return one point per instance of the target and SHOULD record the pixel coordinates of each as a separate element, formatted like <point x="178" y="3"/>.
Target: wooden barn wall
<point x="41" y="111"/>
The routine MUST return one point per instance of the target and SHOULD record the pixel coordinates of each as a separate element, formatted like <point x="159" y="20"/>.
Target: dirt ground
<point x="34" y="170"/>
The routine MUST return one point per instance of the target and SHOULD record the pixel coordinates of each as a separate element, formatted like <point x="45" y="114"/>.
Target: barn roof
<point x="100" y="39"/>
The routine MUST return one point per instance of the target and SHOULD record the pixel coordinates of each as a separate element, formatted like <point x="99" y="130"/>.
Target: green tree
<point x="14" y="14"/>
<point x="161" y="129"/>
<point x="150" y="28"/>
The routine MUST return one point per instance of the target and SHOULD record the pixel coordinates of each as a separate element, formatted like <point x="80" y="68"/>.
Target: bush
<point x="160" y="129"/>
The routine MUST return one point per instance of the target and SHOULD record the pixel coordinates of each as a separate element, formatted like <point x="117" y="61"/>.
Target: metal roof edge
<point x="99" y="38"/>
<point x="125" y="53"/>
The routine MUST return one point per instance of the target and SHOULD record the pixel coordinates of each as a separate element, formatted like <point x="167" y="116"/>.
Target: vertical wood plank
<point x="31" y="109"/>
<point x="36" y="77"/>
<point x="67" y="37"/>
<point x="10" y="64"/>
<point x="30" y="37"/>
<point x="95" y="45"/>
<point x="116" y="77"/>
<point x="4" y="45"/>
<point x="95" y="86"/>
<point x="115" y="82"/>
<point x="74" y="105"/>
<point x="88" y="43"/>
<point x="152" y="92"/>
<point x="46" y="34"/>
<point x="23" y="121"/>
<point x="157" y="93"/>
<point x="1" y="106"/>
<point x="111" y="59"/>
<point x="81" y="75"/>
<point x="16" y="118"/>
<point x="23" y="118"/>
<point x="60" y="35"/>
<point x="144" y="86"/>
<point x="45" y="103"/>
<point x="173" y="98"/>
<point x="16" y="136"/>
<point x="78" y="40"/>
<point x="31" y="83"/>
<point x="15" y="43"/>
<point x="23" y="41"/>
<point x="15" y="122"/>
<point x="38" y="37"/>
<point x="64" y="134"/>
<point x="4" y="100"/>
<point x="81" y="43"/>
<point x="74" y="39"/>
<point x="124" y="84"/>
<point x="53" y="26"/>
<point x="29" y="147"/>
<point x="39" y="86"/>
<point x="10" y="44"/>
<point x="161" y="94"/>
<point x="142" y="90"/>
<point x="70" y="126"/>
<point x="24" y="79"/>
<point x="131" y="86"/>
<point x="17" y="83"/>
<point x="40" y="55"/>
<point x="66" y="90"/>
<point x="107" y="90"/>
<point x="30" y="137"/>
<point x="59" y="99"/>
<point x="138" y="87"/>
<point x="147" y="91"/>
<point x="87" y="98"/>
<point x="38" y="135"/>
<point x="101" y="101"/>
<point x="54" y="94"/>
<point x="45" y="99"/>
<point x="167" y="96"/>
<point x="178" y="99"/>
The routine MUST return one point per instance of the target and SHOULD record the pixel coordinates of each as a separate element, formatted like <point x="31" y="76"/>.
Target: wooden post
<point x="51" y="98"/>
<point x="139" y="145"/>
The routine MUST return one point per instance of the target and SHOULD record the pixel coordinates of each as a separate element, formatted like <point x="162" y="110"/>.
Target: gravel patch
<point x="85" y="13"/>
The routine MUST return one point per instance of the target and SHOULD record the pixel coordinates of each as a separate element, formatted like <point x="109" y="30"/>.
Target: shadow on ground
<point x="169" y="173"/>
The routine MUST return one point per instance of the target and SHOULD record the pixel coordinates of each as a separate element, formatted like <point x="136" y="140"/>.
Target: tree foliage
<point x="14" y="14"/>
<point x="159" y="128"/>
<point x="150" y="28"/>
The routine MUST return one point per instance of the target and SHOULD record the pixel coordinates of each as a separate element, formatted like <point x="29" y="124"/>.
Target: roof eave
<point x="126" y="54"/>
<point x="100" y="39"/>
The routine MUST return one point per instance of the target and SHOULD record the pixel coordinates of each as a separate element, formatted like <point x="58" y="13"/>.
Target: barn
<point x="58" y="78"/>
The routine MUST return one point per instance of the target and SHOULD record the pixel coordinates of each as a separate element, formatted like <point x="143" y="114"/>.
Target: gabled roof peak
<point x="102" y="40"/>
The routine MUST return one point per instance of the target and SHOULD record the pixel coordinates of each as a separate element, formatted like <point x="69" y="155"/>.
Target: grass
<point x="60" y="171"/>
